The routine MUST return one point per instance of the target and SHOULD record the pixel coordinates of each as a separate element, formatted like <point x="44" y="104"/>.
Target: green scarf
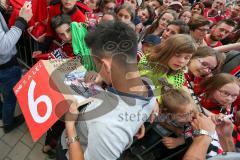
<point x="79" y="46"/>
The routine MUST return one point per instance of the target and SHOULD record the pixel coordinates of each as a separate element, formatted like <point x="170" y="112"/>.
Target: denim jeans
<point x="8" y="78"/>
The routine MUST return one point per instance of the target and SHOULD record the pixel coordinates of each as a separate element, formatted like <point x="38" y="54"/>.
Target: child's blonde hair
<point x="173" y="100"/>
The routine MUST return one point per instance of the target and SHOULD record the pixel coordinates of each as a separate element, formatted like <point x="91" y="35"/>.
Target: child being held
<point x="178" y="110"/>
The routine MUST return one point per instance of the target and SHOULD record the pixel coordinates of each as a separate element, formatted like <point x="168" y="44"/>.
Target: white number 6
<point x="33" y="104"/>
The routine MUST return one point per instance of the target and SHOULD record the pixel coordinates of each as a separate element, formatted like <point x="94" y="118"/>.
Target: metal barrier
<point x="25" y="47"/>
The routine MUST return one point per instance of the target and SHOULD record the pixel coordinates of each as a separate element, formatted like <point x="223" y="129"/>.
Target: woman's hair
<point x="205" y="51"/>
<point x="104" y="2"/>
<point x="201" y="5"/>
<point x="151" y="15"/>
<point x="208" y="4"/>
<point x="176" y="44"/>
<point x="154" y="26"/>
<point x="128" y="8"/>
<point x="159" y="1"/>
<point x="60" y="20"/>
<point x="183" y="27"/>
<point x="197" y="21"/>
<point x="216" y="82"/>
<point x="173" y="99"/>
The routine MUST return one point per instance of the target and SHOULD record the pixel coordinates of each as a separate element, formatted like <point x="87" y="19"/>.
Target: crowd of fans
<point x="166" y="65"/>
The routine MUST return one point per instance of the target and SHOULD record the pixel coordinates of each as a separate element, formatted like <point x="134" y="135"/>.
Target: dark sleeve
<point x="21" y="23"/>
<point x="231" y="62"/>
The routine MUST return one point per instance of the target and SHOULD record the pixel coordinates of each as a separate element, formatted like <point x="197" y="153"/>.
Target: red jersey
<point x="66" y="49"/>
<point x="39" y="9"/>
<point x="217" y="108"/>
<point x="75" y="14"/>
<point x="213" y="46"/>
<point x="236" y="136"/>
<point x="83" y="7"/>
<point x="216" y="18"/>
<point x="193" y="83"/>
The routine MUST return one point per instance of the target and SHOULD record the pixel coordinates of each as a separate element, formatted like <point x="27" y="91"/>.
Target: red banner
<point x="38" y="100"/>
<point x="45" y="92"/>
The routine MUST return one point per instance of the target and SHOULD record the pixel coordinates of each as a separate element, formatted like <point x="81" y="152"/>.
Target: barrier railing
<point x="25" y="49"/>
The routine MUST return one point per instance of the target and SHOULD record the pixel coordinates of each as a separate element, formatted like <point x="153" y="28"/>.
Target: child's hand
<point x="216" y="118"/>
<point x="225" y="128"/>
<point x="26" y="11"/>
<point x="171" y="143"/>
<point x="154" y="113"/>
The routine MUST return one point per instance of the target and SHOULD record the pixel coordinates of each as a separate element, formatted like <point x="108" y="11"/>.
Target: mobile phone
<point x="29" y="2"/>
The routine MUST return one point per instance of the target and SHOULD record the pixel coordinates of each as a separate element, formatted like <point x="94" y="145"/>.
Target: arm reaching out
<point x="228" y="47"/>
<point x="199" y="147"/>
<point x="75" y="149"/>
<point x="8" y="39"/>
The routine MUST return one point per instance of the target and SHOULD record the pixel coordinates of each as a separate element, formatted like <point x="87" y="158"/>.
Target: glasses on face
<point x="224" y="30"/>
<point x="205" y="65"/>
<point x="226" y="94"/>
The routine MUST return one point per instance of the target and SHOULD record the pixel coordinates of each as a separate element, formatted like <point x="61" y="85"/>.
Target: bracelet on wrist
<point x="200" y="132"/>
<point x="70" y="140"/>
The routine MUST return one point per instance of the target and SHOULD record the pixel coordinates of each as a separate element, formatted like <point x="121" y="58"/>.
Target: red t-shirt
<point x="215" y="107"/>
<point x="39" y="9"/>
<point x="76" y="16"/>
<point x="83" y="7"/>
<point x="66" y="48"/>
<point x="217" y="18"/>
<point x="213" y="46"/>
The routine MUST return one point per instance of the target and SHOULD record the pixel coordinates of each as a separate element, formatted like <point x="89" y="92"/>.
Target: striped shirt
<point x="9" y="38"/>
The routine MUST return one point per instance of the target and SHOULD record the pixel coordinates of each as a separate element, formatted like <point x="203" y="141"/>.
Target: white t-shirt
<point x="111" y="121"/>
